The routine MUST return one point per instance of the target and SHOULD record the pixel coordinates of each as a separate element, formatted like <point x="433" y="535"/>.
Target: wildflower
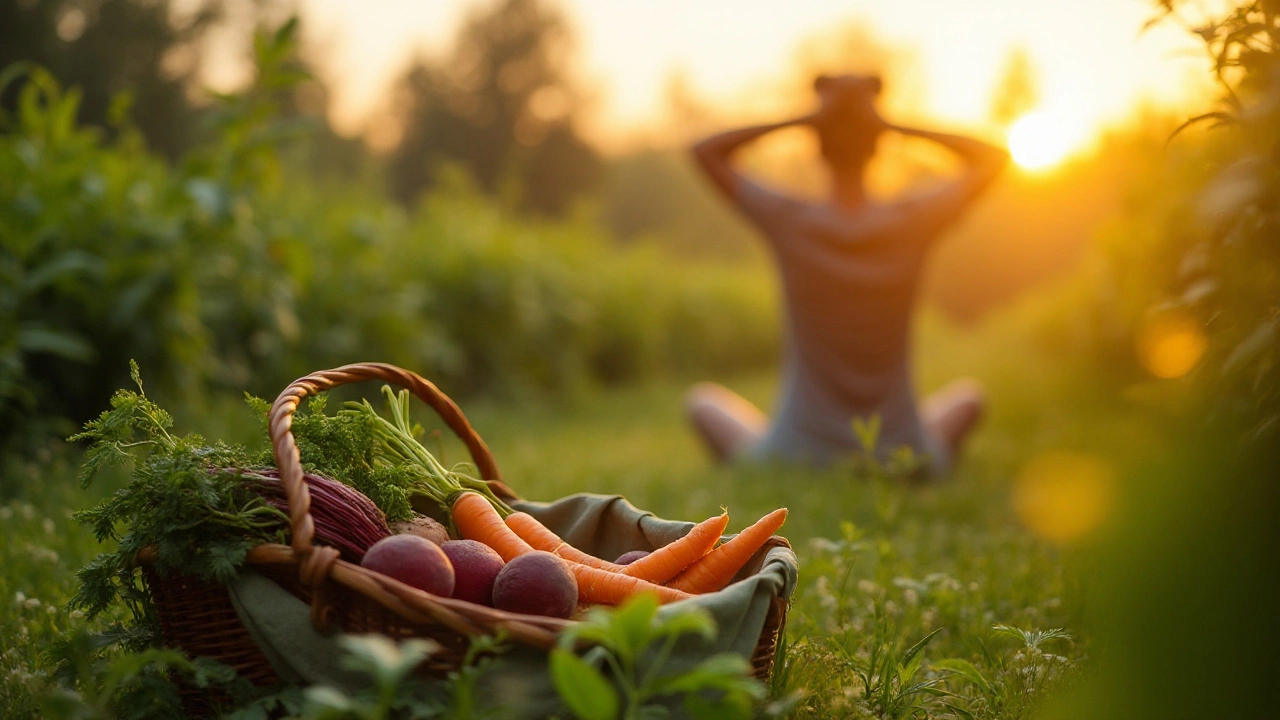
<point x="19" y="597"/>
<point x="6" y="512"/>
<point x="868" y="587"/>
<point x="77" y="615"/>
<point x="48" y="526"/>
<point x="973" y="587"/>
<point x="31" y="604"/>
<point x="910" y="597"/>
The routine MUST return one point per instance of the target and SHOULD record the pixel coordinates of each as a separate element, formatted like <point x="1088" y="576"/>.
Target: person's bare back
<point x="850" y="269"/>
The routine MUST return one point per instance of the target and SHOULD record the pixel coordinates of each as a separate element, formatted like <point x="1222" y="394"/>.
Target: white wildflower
<point x="31" y="604"/>
<point x="19" y="597"/>
<point x="48" y="526"/>
<point x="909" y="595"/>
<point x="868" y="587"/>
<point x="6" y="512"/>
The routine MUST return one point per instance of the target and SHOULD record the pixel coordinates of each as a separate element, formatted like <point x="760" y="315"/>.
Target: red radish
<point x="536" y="583"/>
<point x="475" y="567"/>
<point x="414" y="561"/>
<point x="629" y="557"/>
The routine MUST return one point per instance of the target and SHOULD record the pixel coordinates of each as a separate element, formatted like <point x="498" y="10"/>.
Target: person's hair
<point x="847" y="132"/>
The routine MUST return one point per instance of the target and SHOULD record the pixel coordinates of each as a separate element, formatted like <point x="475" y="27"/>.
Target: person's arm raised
<point x="983" y="163"/>
<point x="715" y="154"/>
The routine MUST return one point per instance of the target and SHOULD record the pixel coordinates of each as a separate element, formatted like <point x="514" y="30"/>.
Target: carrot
<point x="666" y="562"/>
<point x="715" y="569"/>
<point x="476" y="519"/>
<point x="540" y="537"/>
<point x="601" y="586"/>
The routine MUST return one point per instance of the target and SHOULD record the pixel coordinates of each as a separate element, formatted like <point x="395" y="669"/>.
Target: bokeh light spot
<point x="1170" y="345"/>
<point x="1063" y="496"/>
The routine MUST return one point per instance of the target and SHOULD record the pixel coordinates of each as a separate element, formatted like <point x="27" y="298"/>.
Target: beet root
<point x="536" y="583"/>
<point x="475" y="567"/>
<point x="422" y="526"/>
<point x="414" y="561"/>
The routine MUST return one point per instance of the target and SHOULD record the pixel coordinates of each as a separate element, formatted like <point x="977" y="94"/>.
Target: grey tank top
<point x="849" y="283"/>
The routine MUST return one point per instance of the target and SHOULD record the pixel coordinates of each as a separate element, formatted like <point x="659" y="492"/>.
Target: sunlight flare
<point x="1041" y="140"/>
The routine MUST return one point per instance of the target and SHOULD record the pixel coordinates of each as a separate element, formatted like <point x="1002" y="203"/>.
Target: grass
<point x="884" y="567"/>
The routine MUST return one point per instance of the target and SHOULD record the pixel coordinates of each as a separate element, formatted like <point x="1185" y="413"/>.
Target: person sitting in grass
<point x="850" y="268"/>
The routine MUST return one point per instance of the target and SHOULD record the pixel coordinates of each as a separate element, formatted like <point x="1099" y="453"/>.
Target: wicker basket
<point x="198" y="616"/>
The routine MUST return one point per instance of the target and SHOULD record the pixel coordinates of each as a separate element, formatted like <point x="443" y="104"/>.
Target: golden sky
<point x="1093" y="63"/>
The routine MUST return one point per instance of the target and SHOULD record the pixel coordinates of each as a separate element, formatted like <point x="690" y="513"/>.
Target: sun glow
<point x="1041" y="140"/>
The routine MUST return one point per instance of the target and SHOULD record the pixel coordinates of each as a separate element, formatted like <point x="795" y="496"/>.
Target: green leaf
<point x="35" y="339"/>
<point x="632" y="624"/>
<point x="726" y="672"/>
<point x="915" y="649"/>
<point x="589" y="695"/>
<point x="686" y="621"/>
<point x="966" y="670"/>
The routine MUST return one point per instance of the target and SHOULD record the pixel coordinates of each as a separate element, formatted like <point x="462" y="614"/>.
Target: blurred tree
<point x="1017" y="91"/>
<point x="501" y="106"/>
<point x="106" y="47"/>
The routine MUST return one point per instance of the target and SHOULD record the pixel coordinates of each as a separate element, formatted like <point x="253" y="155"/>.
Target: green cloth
<point x="603" y="525"/>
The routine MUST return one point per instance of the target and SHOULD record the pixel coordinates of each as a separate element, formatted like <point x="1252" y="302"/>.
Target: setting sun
<point x="1040" y="140"/>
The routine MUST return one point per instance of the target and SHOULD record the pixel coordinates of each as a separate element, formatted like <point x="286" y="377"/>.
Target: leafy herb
<point x="343" y="447"/>
<point x="634" y="644"/>
<point x="197" y="521"/>
<point x="396" y="446"/>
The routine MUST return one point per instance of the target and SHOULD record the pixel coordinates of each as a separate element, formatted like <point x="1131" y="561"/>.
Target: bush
<point x="227" y="271"/>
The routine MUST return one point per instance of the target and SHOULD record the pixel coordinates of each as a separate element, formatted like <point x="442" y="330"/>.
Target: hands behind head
<point x="848" y="100"/>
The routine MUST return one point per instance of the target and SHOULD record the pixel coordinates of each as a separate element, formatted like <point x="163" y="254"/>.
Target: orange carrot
<point x="715" y="569"/>
<point x="540" y="537"/>
<point x="476" y="519"/>
<point x="666" y="562"/>
<point x="601" y="586"/>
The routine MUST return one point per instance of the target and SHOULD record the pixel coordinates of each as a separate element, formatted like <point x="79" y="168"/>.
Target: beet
<point x="414" y="561"/>
<point x="536" y="583"/>
<point x="422" y="526"/>
<point x="629" y="557"/>
<point x="475" y="567"/>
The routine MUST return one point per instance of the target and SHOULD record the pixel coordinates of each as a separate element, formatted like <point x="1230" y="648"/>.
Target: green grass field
<point x="883" y="564"/>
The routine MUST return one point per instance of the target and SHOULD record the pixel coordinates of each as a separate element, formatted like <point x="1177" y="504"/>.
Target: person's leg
<point x="725" y="421"/>
<point x="953" y="411"/>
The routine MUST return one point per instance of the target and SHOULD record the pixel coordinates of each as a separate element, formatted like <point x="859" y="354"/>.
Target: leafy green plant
<point x="393" y="691"/>
<point x="627" y="671"/>
<point x="91" y="683"/>
<point x="1019" y="679"/>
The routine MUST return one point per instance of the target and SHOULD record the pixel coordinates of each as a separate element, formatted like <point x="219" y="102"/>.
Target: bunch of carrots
<point x="689" y="566"/>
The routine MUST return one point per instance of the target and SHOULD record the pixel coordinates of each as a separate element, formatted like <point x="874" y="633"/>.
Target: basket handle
<point x="285" y="449"/>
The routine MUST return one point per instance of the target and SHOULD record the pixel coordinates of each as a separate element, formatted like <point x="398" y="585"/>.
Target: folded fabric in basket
<point x="603" y="525"/>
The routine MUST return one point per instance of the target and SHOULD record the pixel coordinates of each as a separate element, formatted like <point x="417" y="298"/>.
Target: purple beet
<point x="536" y="583"/>
<point x="475" y="567"/>
<point x="629" y="557"/>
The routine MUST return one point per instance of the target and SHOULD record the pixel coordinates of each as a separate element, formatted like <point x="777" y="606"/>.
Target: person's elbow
<point x="704" y="154"/>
